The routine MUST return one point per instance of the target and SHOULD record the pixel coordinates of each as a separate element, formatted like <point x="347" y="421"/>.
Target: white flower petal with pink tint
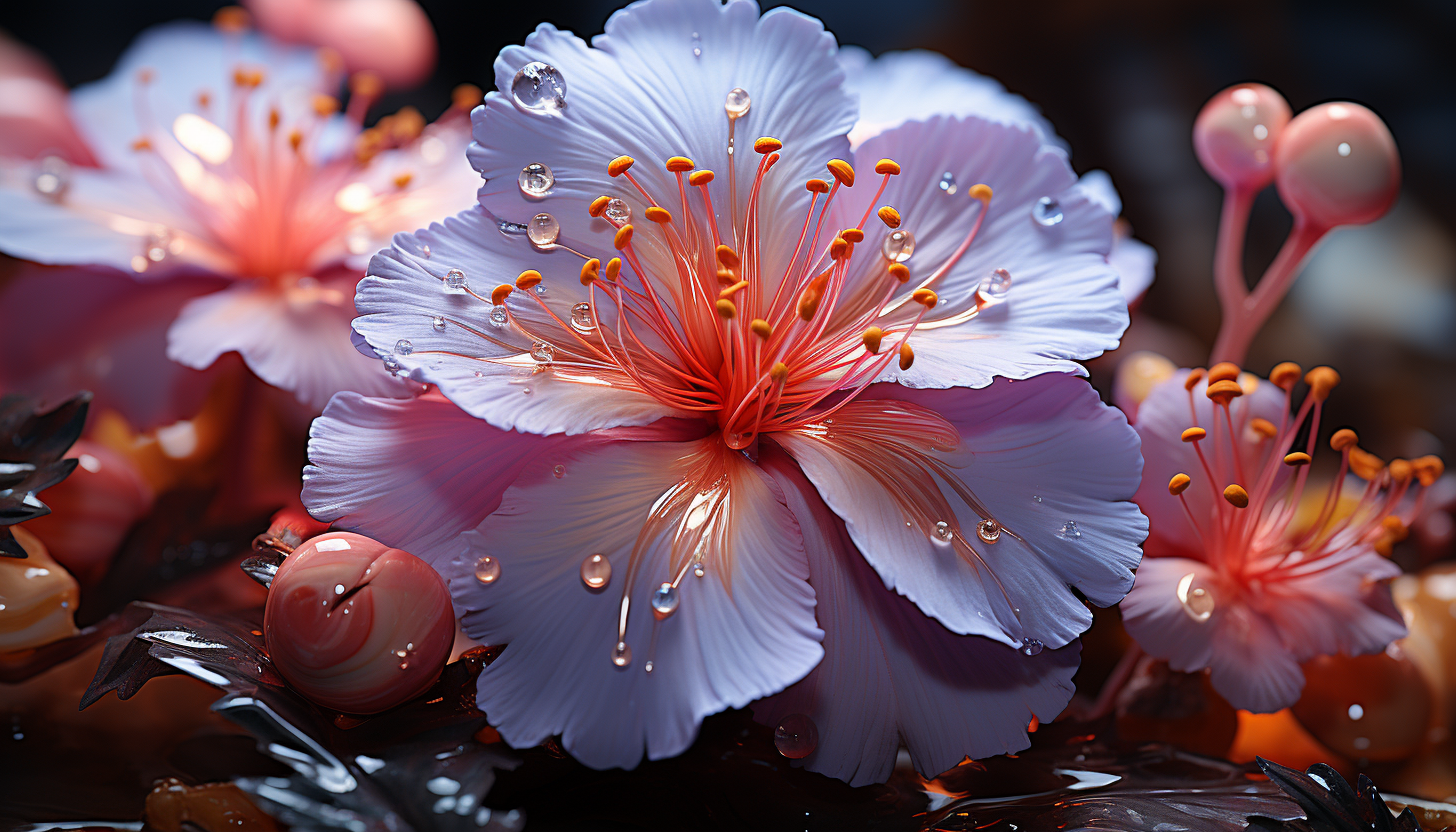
<point x="1133" y="260"/>
<point x="915" y="473"/>
<point x="743" y="630"/>
<point x="892" y="675"/>
<point x="1062" y="302"/>
<point x="1165" y="625"/>
<point x="902" y="86"/>
<point x="296" y="339"/>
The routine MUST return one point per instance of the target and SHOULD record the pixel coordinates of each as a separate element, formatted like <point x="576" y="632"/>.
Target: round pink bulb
<point x="92" y="510"/>
<point x="1236" y="133"/>
<point x="357" y="626"/>
<point x="1337" y="165"/>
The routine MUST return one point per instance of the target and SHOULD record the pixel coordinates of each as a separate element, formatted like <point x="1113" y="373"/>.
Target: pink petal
<point x="1158" y="620"/>
<point x="34" y="120"/>
<point x="1043" y="457"/>
<point x="1250" y="667"/>
<point x="891" y="674"/>
<point x="390" y="37"/>
<point x="743" y="631"/>
<point x="1344" y="606"/>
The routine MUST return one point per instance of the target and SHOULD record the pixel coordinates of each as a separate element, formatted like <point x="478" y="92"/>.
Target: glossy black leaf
<point x="32" y="450"/>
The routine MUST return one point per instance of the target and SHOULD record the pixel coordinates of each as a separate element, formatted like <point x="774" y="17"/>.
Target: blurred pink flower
<point x="714" y="404"/>
<point x="220" y="153"/>
<point x="390" y="37"/>
<point x="1250" y="592"/>
<point x="34" y="120"/>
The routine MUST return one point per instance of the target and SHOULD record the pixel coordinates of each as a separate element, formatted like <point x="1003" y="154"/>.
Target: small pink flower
<point x="1239" y="578"/>
<point x="221" y="153"/>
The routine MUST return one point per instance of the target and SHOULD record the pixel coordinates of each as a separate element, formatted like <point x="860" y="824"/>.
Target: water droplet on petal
<point x="948" y="184"/>
<point x="618" y="211"/>
<point x="539" y="86"/>
<point x="664" y="600"/>
<point x="498" y="315"/>
<point x="1031" y="647"/>
<point x="737" y="103"/>
<point x="558" y="471"/>
<point x="898" y="245"/>
<point x="52" y="177"/>
<point x="1197" y="599"/>
<point x="536" y="180"/>
<point x="543" y="230"/>
<point x="943" y="532"/>
<point x="511" y="228"/>
<point x="621" y="654"/>
<point x="425" y="252"/>
<point x="581" y="318"/>
<point x="1047" y="212"/>
<point x="995" y="286"/>
<point x="392" y="365"/>
<point x="1036" y="497"/>
<point x="487" y="570"/>
<point x="1069" y="531"/>
<point x="543" y="352"/>
<point x="697" y="45"/>
<point x="403" y="347"/>
<point x="437" y="323"/>
<point x="648" y="666"/>
<point x="159" y="245"/>
<point x="596" y="571"/>
<point x="455" y="280"/>
<point x="698" y="569"/>
<point x="479" y="374"/>
<point x="988" y="530"/>
<point x="796" y="737"/>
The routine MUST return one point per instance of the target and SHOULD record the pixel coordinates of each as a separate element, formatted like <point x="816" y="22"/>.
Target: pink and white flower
<point x="1243" y="575"/>
<point x="708" y="428"/>
<point x="221" y="153"/>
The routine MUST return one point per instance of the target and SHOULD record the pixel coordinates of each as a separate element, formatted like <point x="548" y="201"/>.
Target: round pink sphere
<point x="1337" y="165"/>
<point x="357" y="626"/>
<point x="1236" y="133"/>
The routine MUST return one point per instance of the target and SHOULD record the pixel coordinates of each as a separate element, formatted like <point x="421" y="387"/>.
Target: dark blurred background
<point x="1122" y="81"/>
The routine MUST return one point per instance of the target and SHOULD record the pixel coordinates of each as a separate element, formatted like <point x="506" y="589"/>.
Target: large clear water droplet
<point x="542" y="230"/>
<point x="498" y="316"/>
<point x="455" y="280"/>
<point x="392" y="365"/>
<point x="948" y="184"/>
<point x="796" y="737"/>
<point x="536" y="180"/>
<point x="988" y="530"/>
<point x="621" y="654"/>
<point x="52" y="177"/>
<point x="581" y="318"/>
<point x="618" y="211"/>
<point x="737" y="102"/>
<point x="596" y="571"/>
<point x="1031" y="647"/>
<point x="898" y="245"/>
<point x="942" y="532"/>
<point x="539" y="86"/>
<point x="487" y="570"/>
<point x="437" y="323"/>
<point x="1197" y="599"/>
<point x="995" y="285"/>
<point x="1069" y="531"/>
<point x="664" y="600"/>
<point x="403" y="347"/>
<point x="543" y="352"/>
<point x="1047" y="212"/>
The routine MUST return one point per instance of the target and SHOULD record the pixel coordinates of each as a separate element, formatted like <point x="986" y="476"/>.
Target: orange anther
<point x="1195" y="375"/>
<point x="1285" y="374"/>
<point x="726" y="309"/>
<point x="888" y="167"/>
<point x="854" y="235"/>
<point x="907" y="356"/>
<point x="619" y="165"/>
<point x="1321" y="381"/>
<point x="779" y="371"/>
<point x="589" y="270"/>
<point x="678" y="164"/>
<point x="466" y="97"/>
<point x="402" y="180"/>
<point x="924" y="297"/>
<point x="839" y="248"/>
<point x="1237" y="496"/>
<point x="700" y="177"/>
<point x="900" y="272"/>
<point x="728" y="291"/>
<point x="1263" y="427"/>
<point x="760" y="328"/>
<point x="1193" y="434"/>
<point x="658" y="215"/>
<point x="872" y="338"/>
<point x="1178" y="484"/>
<point x="767" y="144"/>
<point x="842" y="171"/>
<point x="1365" y="465"/>
<point x="623" y="237"/>
<point x="816" y="186"/>
<point x="727" y="256"/>
<point x="1223" y="392"/>
<point x="501" y="292"/>
<point x="981" y="192"/>
<point x="1296" y="458"/>
<point x="1401" y="470"/>
<point x="1428" y="469"/>
<point x="614" y="266"/>
<point x="889" y="216"/>
<point x="528" y="279"/>
<point x="598" y="206"/>
<point x="1223" y="371"/>
<point x="325" y="105"/>
<point x="1343" y="438"/>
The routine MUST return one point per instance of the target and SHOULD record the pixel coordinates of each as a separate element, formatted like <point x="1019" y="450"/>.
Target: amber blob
<point x="37" y="597"/>
<point x="1375" y="707"/>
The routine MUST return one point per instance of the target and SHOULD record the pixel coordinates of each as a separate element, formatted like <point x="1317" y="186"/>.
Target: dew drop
<point x="621" y="654"/>
<point x="437" y="323"/>
<point x="1036" y="497"/>
<point x="1069" y="531"/>
<point x="664" y="600"/>
<point x="425" y="252"/>
<point x="1031" y="647"/>
<point x="455" y="280"/>
<point x="487" y="570"/>
<point x="596" y="571"/>
<point x="543" y="352"/>
<point x="540" y="289"/>
<point x="898" y="245"/>
<point x="558" y="471"/>
<point x="52" y="178"/>
<point x="697" y="45"/>
<point x="539" y="87"/>
<point x="581" y="318"/>
<point x="536" y="180"/>
<point x="392" y="365"/>
<point x="995" y="286"/>
<point x="988" y="530"/>
<point x="1047" y="212"/>
<point x="403" y="347"/>
<point x="943" y="532"/>
<point x="948" y="184"/>
<point x="1197" y="600"/>
<point x="618" y="211"/>
<point x="543" y="230"/>
<point x="498" y="315"/>
<point x="796" y="737"/>
<point x="737" y="103"/>
<point x="698" y="569"/>
<point x="648" y="666"/>
<point x="510" y="228"/>
<point x="159" y="245"/>
<point x="479" y="374"/>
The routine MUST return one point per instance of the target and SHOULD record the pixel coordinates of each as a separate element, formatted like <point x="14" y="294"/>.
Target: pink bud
<point x="357" y="626"/>
<point x="92" y="510"/>
<point x="1337" y="165"/>
<point x="1235" y="135"/>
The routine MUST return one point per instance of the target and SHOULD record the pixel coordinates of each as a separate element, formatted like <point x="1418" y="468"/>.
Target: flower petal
<point x="1158" y="620"/>
<point x="1344" y="606"/>
<point x="1043" y="457"/>
<point x="902" y="86"/>
<point x="1133" y="260"/>
<point x="296" y="339"/>
<point x="891" y="674"/>
<point x="743" y="631"/>
<point x="1063" y="303"/>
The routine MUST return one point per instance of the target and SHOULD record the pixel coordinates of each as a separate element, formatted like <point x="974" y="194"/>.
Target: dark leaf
<point x="1330" y="805"/>
<point x="32" y="450"/>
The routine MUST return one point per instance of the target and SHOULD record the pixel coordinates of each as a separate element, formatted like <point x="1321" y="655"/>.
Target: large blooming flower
<point x="1244" y="576"/>
<point x="221" y="153"/>
<point x="700" y="379"/>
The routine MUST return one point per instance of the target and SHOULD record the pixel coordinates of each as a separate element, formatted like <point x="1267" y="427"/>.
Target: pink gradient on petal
<point x="393" y="38"/>
<point x="34" y="117"/>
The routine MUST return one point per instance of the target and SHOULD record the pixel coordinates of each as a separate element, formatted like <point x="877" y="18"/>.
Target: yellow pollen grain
<point x="247" y="77"/>
<point x="900" y="272"/>
<point x="1428" y="469"/>
<point x="767" y="144"/>
<point x="1178" y="484"/>
<point x="619" y="165"/>
<point x="924" y="297"/>
<point x="367" y="84"/>
<point x="589" y="270"/>
<point x="1223" y="371"/>
<point x="1343" y="438"/>
<point x="1194" y="376"/>
<point x="658" y="215"/>
<point x="872" y="338"/>
<point x="141" y="144"/>
<point x="614" y="266"/>
<point x="889" y="216"/>
<point x="528" y="279"/>
<point x="1297" y="458"/>
<point x="402" y="180"/>
<point x="466" y="97"/>
<point x="1224" y="391"/>
<point x="1264" y="428"/>
<point x="325" y="105"/>
<point x="678" y="164"/>
<point x="854" y="235"/>
<point x="727" y="256"/>
<point x="623" y="237"/>
<point x="888" y="167"/>
<point x="1193" y="434"/>
<point x="700" y="177"/>
<point x="1236" y="495"/>
<point x="1321" y="381"/>
<point x="816" y="186"/>
<point x="779" y="371"/>
<point x="274" y="118"/>
<point x="232" y="19"/>
<point x="761" y="328"/>
<point x="726" y="309"/>
<point x="907" y="356"/>
<point x="981" y="191"/>
<point x="501" y="292"/>
<point x="1285" y="374"/>
<point x="295" y="139"/>
<point x="728" y="291"/>
<point x="598" y="206"/>
<point x="841" y="171"/>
